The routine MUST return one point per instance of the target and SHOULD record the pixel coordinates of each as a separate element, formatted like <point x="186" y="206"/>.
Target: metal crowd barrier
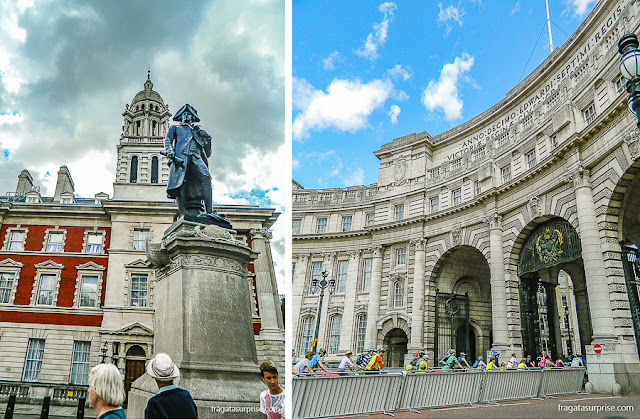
<point x="322" y="396"/>
<point x="439" y="388"/>
<point x="316" y="397"/>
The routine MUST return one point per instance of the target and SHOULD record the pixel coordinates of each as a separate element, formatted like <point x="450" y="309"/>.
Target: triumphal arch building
<point x="517" y="231"/>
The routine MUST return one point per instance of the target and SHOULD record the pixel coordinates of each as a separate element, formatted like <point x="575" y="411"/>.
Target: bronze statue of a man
<point x="188" y="148"/>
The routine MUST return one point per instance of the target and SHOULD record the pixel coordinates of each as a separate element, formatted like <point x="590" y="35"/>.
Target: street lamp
<point x="568" y="327"/>
<point x="104" y="351"/>
<point x="630" y="69"/>
<point x="322" y="284"/>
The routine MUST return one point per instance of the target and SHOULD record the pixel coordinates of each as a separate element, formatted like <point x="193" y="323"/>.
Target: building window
<point x="295" y="226"/>
<point x="434" y="203"/>
<point x="554" y="141"/>
<point x="94" y="243"/>
<point x="398" y="294"/>
<point x="564" y="300"/>
<point x="531" y="158"/>
<point x="566" y="323"/>
<point x="307" y="333"/>
<point x="456" y="196"/>
<point x="138" y="290"/>
<point x="55" y="241"/>
<point x="350" y="194"/>
<point x="88" y="291"/>
<point x="346" y="223"/>
<point x="506" y="173"/>
<point x="154" y="169"/>
<point x="80" y="362"/>
<point x="16" y="240"/>
<point x="133" y="171"/>
<point x="590" y="114"/>
<point x="341" y="282"/>
<point x="140" y="237"/>
<point x="478" y="187"/>
<point x="46" y="289"/>
<point x="322" y="226"/>
<point x="620" y="84"/>
<point x="33" y="362"/>
<point x="6" y="287"/>
<point x="401" y="256"/>
<point x="361" y="330"/>
<point x="456" y="164"/>
<point x="293" y="270"/>
<point x="370" y="219"/>
<point x="316" y="272"/>
<point x="366" y="274"/>
<point x="398" y="212"/>
<point x="334" y="333"/>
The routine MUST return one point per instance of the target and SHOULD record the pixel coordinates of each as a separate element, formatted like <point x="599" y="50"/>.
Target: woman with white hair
<point x="106" y="391"/>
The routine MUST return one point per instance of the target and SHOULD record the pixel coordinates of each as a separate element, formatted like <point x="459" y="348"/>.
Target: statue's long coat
<point x="179" y="139"/>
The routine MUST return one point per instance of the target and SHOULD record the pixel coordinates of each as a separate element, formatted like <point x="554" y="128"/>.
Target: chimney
<point x="25" y="183"/>
<point x="64" y="184"/>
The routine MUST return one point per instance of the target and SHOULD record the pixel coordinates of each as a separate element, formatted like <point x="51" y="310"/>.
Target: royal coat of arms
<point x="548" y="245"/>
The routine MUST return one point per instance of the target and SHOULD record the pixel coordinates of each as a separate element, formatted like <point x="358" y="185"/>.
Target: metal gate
<point x="631" y="267"/>
<point x="452" y="317"/>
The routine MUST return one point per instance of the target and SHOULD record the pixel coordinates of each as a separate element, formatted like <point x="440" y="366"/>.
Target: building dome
<point x="148" y="96"/>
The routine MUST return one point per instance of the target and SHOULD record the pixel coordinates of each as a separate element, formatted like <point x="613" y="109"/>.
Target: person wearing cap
<point x="480" y="364"/>
<point x="106" y="391"/>
<point x="346" y="363"/>
<point x="171" y="400"/>
<point x="375" y="364"/>
<point x="317" y="360"/>
<point x="463" y="360"/>
<point x="452" y="361"/>
<point x="529" y="362"/>
<point x="366" y="358"/>
<point x="272" y="399"/>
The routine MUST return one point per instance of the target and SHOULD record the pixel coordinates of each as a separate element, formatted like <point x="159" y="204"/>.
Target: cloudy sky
<point x="67" y="69"/>
<point x="367" y="72"/>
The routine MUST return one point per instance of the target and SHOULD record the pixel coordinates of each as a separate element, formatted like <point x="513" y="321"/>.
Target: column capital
<point x="632" y="138"/>
<point x="494" y="220"/>
<point x="420" y="243"/>
<point x="376" y="249"/>
<point x="354" y="254"/>
<point x="329" y="255"/>
<point x="260" y="233"/>
<point x="302" y="257"/>
<point x="579" y="176"/>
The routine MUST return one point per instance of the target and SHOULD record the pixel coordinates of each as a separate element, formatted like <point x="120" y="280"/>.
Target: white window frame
<point x="506" y="173"/>
<point x="398" y="299"/>
<point x="33" y="360"/>
<point x="8" y="235"/>
<point x="334" y="333"/>
<point x="361" y="330"/>
<point x="48" y="267"/>
<point x="88" y="269"/>
<point x="132" y="290"/>
<point x="434" y="204"/>
<point x="620" y="85"/>
<point x="370" y="219"/>
<point x="80" y="362"/>
<point x="477" y="187"/>
<point x="86" y="244"/>
<point x="531" y="158"/>
<point x="315" y="273"/>
<point x="590" y="113"/>
<point x="47" y="240"/>
<point x="322" y="222"/>
<point x="341" y="277"/>
<point x="139" y="267"/>
<point x="456" y="196"/>
<point x="11" y="267"/>
<point x="400" y="255"/>
<point x="296" y="226"/>
<point x="307" y="327"/>
<point x="398" y="212"/>
<point x="137" y="242"/>
<point x="347" y="222"/>
<point x="366" y="274"/>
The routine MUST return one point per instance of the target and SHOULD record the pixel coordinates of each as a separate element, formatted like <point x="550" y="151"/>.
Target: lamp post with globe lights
<point x="630" y="69"/>
<point x="322" y="284"/>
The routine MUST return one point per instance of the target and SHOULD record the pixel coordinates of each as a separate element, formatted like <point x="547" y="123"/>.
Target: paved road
<point x="528" y="408"/>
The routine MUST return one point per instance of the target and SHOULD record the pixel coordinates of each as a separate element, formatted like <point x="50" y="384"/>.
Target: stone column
<point x="596" y="277"/>
<point x="327" y="265"/>
<point x="498" y="288"/>
<point x="373" y="312"/>
<point x="266" y="287"/>
<point x="297" y="291"/>
<point x="351" y="294"/>
<point x="417" y="310"/>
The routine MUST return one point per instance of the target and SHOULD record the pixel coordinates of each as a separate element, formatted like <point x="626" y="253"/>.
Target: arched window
<point x="398" y="294"/>
<point x="136" y="350"/>
<point x="308" y="323"/>
<point x="154" y="169"/>
<point x="361" y="330"/>
<point x="334" y="333"/>
<point x="133" y="172"/>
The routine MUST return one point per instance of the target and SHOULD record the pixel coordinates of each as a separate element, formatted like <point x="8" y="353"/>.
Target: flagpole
<point x="549" y="27"/>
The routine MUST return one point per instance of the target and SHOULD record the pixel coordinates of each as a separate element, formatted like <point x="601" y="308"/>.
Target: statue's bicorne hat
<point x="187" y="108"/>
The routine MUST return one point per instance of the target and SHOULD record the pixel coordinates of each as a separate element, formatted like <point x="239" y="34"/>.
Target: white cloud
<point x="449" y="14"/>
<point x="378" y="37"/>
<point x="516" y="8"/>
<point x="302" y="93"/>
<point x="334" y="57"/>
<point x="580" y="6"/>
<point x="443" y="95"/>
<point x="393" y="114"/>
<point x="10" y="118"/>
<point x="346" y="106"/>
<point x="399" y="71"/>
<point x="355" y="178"/>
<point x="295" y="164"/>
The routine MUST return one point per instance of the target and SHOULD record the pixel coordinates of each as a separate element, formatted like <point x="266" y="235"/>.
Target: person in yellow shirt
<point x="522" y="365"/>
<point x="492" y="364"/>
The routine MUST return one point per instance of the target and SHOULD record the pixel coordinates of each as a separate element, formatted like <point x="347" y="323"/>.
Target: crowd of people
<point x="369" y="361"/>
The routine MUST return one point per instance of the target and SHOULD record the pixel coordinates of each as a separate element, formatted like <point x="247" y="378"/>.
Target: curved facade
<point x="463" y="239"/>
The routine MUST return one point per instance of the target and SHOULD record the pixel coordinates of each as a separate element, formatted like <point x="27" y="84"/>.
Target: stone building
<point x="74" y="277"/>
<point x="461" y="241"/>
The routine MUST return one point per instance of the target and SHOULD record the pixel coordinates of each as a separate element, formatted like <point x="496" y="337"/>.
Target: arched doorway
<point x="134" y="366"/>
<point x="551" y="253"/>
<point x="395" y="343"/>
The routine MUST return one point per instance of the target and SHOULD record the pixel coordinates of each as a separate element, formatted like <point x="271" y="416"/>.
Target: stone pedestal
<point x="203" y="319"/>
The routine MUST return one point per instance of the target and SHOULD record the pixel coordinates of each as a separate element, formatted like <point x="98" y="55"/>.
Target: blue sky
<point x="367" y="72"/>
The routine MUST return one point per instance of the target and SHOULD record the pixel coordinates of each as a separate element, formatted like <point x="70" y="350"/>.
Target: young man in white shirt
<point x="272" y="399"/>
<point x="346" y="363"/>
